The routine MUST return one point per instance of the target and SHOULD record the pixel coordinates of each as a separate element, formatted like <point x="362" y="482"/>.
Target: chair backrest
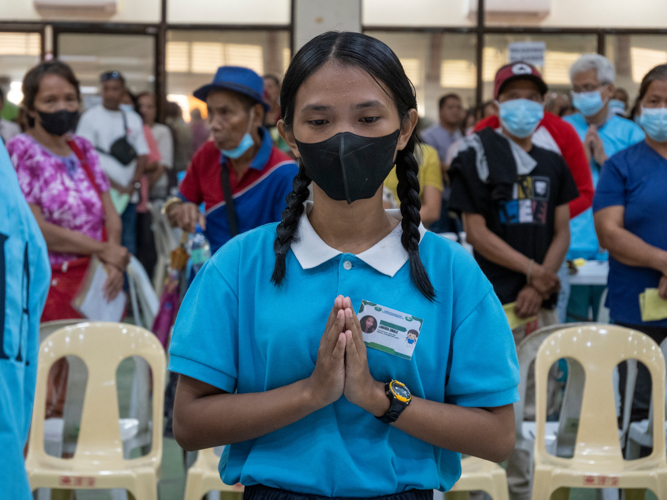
<point x="663" y="348"/>
<point x="527" y="352"/>
<point x="48" y="327"/>
<point x="598" y="349"/>
<point x="101" y="346"/>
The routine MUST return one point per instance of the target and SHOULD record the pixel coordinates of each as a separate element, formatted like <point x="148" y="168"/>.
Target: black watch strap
<point x="396" y="407"/>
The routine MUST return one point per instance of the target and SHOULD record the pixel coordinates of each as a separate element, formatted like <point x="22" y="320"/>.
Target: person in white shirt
<point x="117" y="134"/>
<point x="8" y="130"/>
<point x="165" y="143"/>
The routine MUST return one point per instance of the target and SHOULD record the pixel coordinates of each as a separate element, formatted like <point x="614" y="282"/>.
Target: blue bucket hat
<point x="242" y="80"/>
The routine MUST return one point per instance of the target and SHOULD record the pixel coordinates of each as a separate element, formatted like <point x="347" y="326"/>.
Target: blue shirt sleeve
<point x="287" y="174"/>
<point x="483" y="368"/>
<point x="204" y="345"/>
<point x="610" y="190"/>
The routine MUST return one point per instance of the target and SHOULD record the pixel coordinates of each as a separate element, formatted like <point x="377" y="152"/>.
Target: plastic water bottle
<point x="200" y="251"/>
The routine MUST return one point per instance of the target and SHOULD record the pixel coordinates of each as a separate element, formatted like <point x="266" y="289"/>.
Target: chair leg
<point x="145" y="486"/>
<point x="193" y="486"/>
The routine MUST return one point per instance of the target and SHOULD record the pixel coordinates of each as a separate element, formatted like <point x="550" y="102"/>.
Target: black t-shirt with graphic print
<point x="526" y="222"/>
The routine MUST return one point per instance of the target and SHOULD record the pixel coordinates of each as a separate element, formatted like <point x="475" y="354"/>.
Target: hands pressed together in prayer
<point x="342" y="365"/>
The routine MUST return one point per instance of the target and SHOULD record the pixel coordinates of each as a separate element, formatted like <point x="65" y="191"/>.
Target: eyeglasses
<point x="111" y="75"/>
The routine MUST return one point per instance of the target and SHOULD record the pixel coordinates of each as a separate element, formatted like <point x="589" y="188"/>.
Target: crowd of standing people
<point x="295" y="185"/>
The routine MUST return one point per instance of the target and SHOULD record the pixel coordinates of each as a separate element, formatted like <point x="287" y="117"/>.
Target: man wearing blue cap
<point x="240" y="176"/>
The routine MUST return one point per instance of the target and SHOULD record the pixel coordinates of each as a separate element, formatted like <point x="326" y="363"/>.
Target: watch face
<point x="400" y="390"/>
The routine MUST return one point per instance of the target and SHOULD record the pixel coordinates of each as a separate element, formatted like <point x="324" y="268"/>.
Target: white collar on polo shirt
<point x="387" y="256"/>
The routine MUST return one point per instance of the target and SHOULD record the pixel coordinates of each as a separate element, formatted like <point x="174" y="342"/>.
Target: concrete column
<point x="314" y="17"/>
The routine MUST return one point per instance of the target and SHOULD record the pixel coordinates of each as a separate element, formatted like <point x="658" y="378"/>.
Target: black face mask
<point x="60" y="122"/>
<point x="348" y="166"/>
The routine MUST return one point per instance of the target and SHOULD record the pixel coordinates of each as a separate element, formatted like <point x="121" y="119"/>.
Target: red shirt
<point x="570" y="148"/>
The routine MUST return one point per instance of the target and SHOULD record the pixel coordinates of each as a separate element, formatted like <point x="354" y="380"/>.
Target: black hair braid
<point x="408" y="194"/>
<point x="287" y="228"/>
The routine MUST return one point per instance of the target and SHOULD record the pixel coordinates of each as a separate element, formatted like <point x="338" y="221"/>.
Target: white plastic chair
<point x="98" y="461"/>
<point x="60" y="434"/>
<point x="560" y="437"/>
<point x="597" y="461"/>
<point x="641" y="433"/>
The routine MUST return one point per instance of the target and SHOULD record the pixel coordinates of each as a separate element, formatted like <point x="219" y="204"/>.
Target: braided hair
<point x="381" y="63"/>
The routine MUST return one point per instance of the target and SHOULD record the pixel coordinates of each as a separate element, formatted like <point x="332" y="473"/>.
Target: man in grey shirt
<point x="447" y="131"/>
<point x="441" y="136"/>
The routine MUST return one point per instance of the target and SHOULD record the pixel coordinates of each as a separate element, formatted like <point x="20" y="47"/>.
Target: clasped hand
<point x="342" y="365"/>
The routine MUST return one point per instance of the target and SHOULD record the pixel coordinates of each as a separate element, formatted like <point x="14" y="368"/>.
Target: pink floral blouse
<point x="60" y="187"/>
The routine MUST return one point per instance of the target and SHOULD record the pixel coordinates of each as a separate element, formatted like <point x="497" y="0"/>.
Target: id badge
<point x="388" y="330"/>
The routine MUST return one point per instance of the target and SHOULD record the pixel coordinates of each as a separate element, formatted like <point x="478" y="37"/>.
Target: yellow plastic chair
<point x="598" y="462"/>
<point x="98" y="461"/>
<point x="480" y="475"/>
<point x="204" y="477"/>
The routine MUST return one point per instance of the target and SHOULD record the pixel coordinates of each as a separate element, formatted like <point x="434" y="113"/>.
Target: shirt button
<point x="347" y="265"/>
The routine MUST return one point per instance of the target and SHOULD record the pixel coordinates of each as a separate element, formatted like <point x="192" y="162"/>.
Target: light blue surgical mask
<point x="126" y="107"/>
<point x="246" y="142"/>
<point x="588" y="103"/>
<point x="617" y="106"/>
<point x="654" y="123"/>
<point x="520" y="116"/>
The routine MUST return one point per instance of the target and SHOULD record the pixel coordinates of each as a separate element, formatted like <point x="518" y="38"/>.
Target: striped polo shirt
<point x="259" y="194"/>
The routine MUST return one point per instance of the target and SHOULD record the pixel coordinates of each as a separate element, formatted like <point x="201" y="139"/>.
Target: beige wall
<point x="133" y="11"/>
<point x="415" y="13"/>
<point x="563" y="13"/>
<point x="228" y="11"/>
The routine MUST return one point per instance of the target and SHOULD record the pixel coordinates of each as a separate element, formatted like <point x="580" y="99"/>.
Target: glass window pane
<point x="194" y="56"/>
<point x="633" y="56"/>
<point x="91" y="54"/>
<point x="561" y="52"/>
<point x="18" y="53"/>
<point x="436" y="63"/>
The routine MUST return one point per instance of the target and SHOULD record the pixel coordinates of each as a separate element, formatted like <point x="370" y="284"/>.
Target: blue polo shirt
<point x="259" y="194"/>
<point x="238" y="332"/>
<point x="24" y="283"/>
<point x="617" y="134"/>
<point x="636" y="179"/>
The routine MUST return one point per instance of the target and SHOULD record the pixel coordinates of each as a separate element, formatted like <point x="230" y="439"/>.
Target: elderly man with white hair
<point x="603" y="133"/>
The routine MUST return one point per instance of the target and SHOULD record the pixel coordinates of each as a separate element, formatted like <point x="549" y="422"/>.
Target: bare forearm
<point x="491" y="247"/>
<point x="142" y="162"/>
<point x="63" y="240"/>
<point x="222" y="419"/>
<point x="631" y="250"/>
<point x="557" y="251"/>
<point x="472" y="431"/>
<point x="112" y="220"/>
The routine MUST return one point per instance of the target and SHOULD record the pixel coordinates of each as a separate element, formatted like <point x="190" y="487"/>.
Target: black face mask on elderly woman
<point x="59" y="122"/>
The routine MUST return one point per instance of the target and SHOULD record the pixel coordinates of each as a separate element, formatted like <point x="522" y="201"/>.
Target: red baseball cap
<point x="515" y="71"/>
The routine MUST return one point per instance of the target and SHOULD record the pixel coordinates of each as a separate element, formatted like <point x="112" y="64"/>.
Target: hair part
<point x="659" y="73"/>
<point x="443" y="100"/>
<point x="33" y="79"/>
<point x="379" y="61"/>
<point x="604" y="67"/>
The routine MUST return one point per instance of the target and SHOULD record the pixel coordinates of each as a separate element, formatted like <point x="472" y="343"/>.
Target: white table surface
<point x="594" y="272"/>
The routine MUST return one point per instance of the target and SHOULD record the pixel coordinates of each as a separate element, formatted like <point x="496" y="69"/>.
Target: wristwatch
<point x="399" y="399"/>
